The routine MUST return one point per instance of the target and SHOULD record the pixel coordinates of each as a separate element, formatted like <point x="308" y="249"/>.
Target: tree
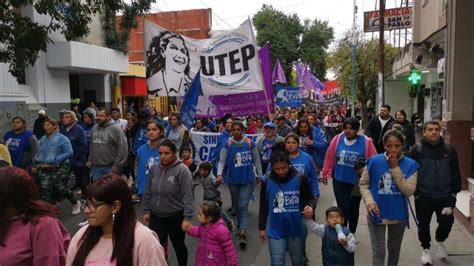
<point x="22" y="39"/>
<point x="282" y="31"/>
<point x="367" y="62"/>
<point x="316" y="39"/>
<point x="293" y="41"/>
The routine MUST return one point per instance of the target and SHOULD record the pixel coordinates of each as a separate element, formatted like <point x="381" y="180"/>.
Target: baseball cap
<point x="42" y="112"/>
<point x="269" y="125"/>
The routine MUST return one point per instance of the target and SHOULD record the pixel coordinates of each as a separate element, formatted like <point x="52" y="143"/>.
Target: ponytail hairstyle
<point x="396" y="133"/>
<point x="109" y="189"/>
<point x="212" y="210"/>
<point x="279" y="154"/>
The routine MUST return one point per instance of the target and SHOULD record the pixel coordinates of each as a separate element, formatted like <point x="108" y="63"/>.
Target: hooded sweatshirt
<point x="169" y="191"/>
<point x="108" y="145"/>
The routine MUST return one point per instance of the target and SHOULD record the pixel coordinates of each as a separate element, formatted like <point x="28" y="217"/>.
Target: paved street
<point x="460" y="246"/>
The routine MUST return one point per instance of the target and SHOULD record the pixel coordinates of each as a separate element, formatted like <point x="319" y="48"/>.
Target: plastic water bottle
<point x="340" y="232"/>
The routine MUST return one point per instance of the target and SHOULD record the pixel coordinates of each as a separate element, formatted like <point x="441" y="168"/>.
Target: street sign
<point x="395" y="18"/>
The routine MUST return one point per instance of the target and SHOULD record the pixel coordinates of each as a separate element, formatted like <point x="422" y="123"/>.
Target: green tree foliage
<point x="367" y="67"/>
<point x="22" y="39"/>
<point x="282" y="31"/>
<point x="291" y="40"/>
<point x="316" y="39"/>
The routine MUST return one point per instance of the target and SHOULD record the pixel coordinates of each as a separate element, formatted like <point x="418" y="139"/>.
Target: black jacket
<point x="439" y="175"/>
<point x="306" y="195"/>
<point x="375" y="131"/>
<point x="409" y="133"/>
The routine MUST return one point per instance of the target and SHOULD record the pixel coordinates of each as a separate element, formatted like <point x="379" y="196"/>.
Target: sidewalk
<point x="460" y="245"/>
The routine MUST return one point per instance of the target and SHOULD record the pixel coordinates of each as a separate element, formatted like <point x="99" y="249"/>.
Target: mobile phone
<point x="376" y="219"/>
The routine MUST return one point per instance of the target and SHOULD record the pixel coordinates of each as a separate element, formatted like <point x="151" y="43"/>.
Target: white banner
<point x="205" y="144"/>
<point x="228" y="61"/>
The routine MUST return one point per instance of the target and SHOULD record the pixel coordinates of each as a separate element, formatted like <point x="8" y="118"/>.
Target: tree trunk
<point x="364" y="114"/>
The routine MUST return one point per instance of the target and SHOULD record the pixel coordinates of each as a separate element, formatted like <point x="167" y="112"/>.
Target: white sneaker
<point x="76" y="209"/>
<point x="82" y="224"/>
<point x="426" y="257"/>
<point x="441" y="251"/>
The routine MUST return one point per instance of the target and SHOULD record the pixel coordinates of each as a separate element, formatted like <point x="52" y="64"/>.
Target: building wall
<point x="396" y="95"/>
<point x="429" y="17"/>
<point x="95" y="36"/>
<point x="191" y="23"/>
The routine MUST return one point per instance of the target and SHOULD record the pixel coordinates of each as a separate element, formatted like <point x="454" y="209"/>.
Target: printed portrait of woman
<point x="168" y="65"/>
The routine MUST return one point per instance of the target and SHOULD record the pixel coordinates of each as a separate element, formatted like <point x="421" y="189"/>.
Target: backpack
<point x="247" y="140"/>
<point x="419" y="148"/>
<point x="228" y="221"/>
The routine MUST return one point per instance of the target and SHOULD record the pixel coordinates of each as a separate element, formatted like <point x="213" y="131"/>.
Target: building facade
<point x="442" y="52"/>
<point x="67" y="70"/>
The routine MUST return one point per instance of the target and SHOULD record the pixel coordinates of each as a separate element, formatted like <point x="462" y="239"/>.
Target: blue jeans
<point x="278" y="248"/>
<point x="99" y="171"/>
<point x="241" y="194"/>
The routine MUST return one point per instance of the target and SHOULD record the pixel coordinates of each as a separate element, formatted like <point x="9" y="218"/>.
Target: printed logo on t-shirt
<point x="151" y="162"/>
<point x="286" y="201"/>
<point x="171" y="179"/>
<point x="386" y="185"/>
<point x="266" y="152"/>
<point x="242" y="159"/>
<point x="347" y="158"/>
<point x="299" y="167"/>
<point x="12" y="143"/>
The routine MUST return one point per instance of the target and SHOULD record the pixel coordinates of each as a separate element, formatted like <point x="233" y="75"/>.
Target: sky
<point x="229" y="14"/>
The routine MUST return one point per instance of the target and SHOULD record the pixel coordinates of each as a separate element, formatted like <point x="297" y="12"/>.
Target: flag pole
<point x="267" y="102"/>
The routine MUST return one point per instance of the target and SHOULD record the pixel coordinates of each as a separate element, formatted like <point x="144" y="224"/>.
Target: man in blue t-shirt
<point x="22" y="144"/>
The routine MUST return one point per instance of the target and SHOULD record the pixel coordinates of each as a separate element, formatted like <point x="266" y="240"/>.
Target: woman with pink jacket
<point x="344" y="151"/>
<point x="215" y="243"/>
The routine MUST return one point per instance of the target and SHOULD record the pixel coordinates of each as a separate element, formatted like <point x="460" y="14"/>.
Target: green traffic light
<point x="414" y="78"/>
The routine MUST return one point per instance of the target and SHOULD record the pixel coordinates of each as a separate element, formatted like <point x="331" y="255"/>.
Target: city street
<point x="460" y="246"/>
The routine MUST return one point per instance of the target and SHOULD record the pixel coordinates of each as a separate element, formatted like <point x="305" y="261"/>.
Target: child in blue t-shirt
<point x="339" y="244"/>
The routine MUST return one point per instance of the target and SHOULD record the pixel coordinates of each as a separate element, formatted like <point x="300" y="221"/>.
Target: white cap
<point x="42" y="112"/>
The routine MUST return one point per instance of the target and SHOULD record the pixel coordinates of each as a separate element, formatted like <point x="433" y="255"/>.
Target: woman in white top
<point x="113" y="236"/>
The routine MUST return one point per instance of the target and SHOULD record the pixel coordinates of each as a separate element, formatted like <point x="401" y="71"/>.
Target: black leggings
<point x="349" y="205"/>
<point x="171" y="226"/>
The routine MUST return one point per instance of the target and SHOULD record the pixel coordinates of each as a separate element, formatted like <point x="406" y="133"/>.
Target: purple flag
<point x="278" y="75"/>
<point x="299" y="73"/>
<point x="243" y="104"/>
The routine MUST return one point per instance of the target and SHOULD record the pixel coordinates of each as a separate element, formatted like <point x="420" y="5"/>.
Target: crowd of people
<point x="103" y="164"/>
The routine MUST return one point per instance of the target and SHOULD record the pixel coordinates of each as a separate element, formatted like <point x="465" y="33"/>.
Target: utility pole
<point x="381" y="88"/>
<point x="353" y="97"/>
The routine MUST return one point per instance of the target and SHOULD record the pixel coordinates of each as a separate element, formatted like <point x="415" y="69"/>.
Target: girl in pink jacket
<point x="215" y="244"/>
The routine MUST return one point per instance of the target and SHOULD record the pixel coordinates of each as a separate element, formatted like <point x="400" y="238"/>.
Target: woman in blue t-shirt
<point x="344" y="151"/>
<point x="284" y="196"/>
<point x="239" y="155"/>
<point x="385" y="184"/>
<point x="147" y="154"/>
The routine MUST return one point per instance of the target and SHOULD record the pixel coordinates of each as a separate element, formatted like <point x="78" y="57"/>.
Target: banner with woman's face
<point x="229" y="62"/>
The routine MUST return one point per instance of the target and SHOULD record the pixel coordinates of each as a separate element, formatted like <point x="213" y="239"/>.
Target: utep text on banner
<point x="244" y="104"/>
<point x="288" y="96"/>
<point x="228" y="62"/>
<point x="205" y="144"/>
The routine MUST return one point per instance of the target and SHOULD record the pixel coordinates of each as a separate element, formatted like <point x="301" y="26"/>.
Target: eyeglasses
<point x="93" y="206"/>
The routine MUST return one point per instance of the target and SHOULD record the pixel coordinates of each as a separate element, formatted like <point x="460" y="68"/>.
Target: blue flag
<point x="189" y="106"/>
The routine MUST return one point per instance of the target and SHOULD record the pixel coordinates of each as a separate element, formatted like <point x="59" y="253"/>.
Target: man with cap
<point x="38" y="130"/>
<point x="265" y="143"/>
<point x="282" y="127"/>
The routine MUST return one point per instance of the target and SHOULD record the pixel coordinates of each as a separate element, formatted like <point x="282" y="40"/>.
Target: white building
<point x="67" y="70"/>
